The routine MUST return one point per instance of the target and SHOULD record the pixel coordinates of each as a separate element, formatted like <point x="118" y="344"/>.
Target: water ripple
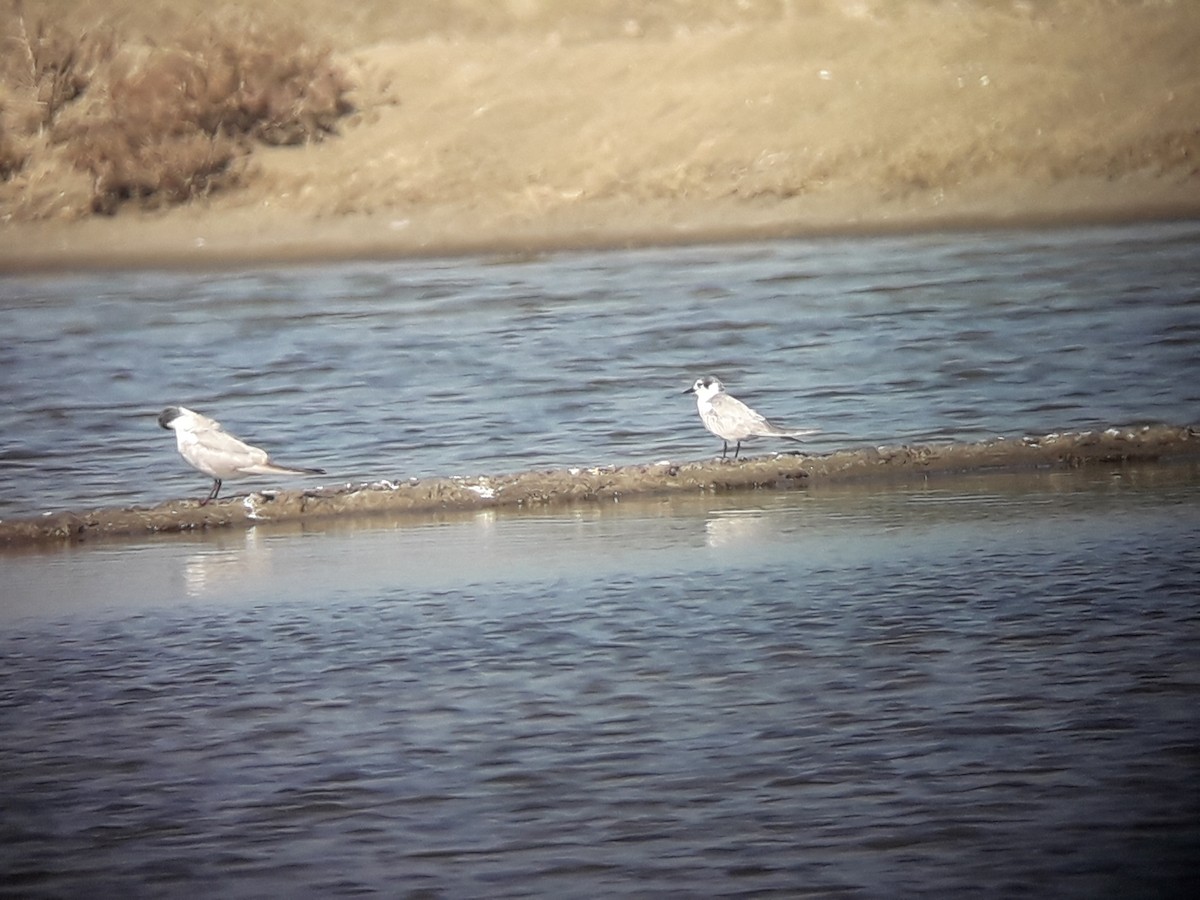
<point x="417" y="368"/>
<point x="1005" y="704"/>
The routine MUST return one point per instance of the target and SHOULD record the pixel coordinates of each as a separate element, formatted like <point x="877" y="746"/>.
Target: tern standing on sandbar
<point x="206" y="446"/>
<point x="732" y="420"/>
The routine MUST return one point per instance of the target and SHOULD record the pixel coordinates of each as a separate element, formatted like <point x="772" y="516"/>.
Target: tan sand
<point x="558" y="489"/>
<point x="531" y="124"/>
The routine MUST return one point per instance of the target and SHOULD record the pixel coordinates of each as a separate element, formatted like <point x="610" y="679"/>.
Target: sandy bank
<point x="562" y="488"/>
<point x="525" y="126"/>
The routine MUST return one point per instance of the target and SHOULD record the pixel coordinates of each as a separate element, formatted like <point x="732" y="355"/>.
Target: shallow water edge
<point x="564" y="487"/>
<point x="204" y="242"/>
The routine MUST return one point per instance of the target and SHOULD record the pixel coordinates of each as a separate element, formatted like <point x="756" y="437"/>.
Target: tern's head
<point x="168" y="416"/>
<point x="706" y="387"/>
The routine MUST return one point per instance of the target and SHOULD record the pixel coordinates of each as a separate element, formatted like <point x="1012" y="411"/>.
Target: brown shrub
<point x="269" y="85"/>
<point x="165" y="123"/>
<point x="46" y="67"/>
<point x="43" y="69"/>
<point x="146" y="138"/>
<point x="134" y="161"/>
<point x="12" y="156"/>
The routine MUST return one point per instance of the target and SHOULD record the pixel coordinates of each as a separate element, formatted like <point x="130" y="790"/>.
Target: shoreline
<point x="562" y="489"/>
<point x="486" y="128"/>
<point x="183" y="240"/>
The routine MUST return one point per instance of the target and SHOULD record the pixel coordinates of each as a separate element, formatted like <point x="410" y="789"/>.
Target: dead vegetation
<point x="478" y="120"/>
<point x="88" y="123"/>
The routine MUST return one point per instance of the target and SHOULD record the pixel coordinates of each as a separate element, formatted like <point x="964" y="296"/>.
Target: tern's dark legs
<point x="737" y="449"/>
<point x="724" y="448"/>
<point x="212" y="494"/>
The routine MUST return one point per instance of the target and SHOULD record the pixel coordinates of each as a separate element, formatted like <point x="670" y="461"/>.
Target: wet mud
<point x="561" y="488"/>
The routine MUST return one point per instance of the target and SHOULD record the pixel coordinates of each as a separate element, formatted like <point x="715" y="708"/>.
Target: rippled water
<point x="987" y="685"/>
<point x="405" y="368"/>
<point x="981" y="685"/>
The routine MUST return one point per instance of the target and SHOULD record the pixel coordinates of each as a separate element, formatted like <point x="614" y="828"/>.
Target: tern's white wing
<point x="731" y="419"/>
<point x="207" y="447"/>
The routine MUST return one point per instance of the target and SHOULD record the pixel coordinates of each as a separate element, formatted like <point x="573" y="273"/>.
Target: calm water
<point x="986" y="685"/>
<point x="392" y="370"/>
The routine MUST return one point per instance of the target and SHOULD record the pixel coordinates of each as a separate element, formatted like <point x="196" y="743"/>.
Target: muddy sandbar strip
<point x="563" y="487"/>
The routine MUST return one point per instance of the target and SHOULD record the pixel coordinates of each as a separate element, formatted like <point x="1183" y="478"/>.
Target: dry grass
<point x="12" y="158"/>
<point x="155" y="124"/>
<point x="482" y="118"/>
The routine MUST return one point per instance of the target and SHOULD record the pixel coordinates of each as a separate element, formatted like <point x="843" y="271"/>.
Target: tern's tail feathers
<point x="270" y="468"/>
<point x="797" y="434"/>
